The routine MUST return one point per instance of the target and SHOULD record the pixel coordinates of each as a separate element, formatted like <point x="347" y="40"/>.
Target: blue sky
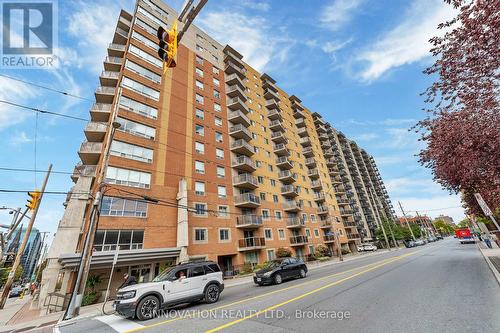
<point x="359" y="63"/>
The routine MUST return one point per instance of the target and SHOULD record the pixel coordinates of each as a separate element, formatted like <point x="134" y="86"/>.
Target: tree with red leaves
<point x="462" y="130"/>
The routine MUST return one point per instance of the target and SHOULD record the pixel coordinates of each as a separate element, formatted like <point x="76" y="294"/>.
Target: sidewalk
<point x="492" y="257"/>
<point x="18" y="315"/>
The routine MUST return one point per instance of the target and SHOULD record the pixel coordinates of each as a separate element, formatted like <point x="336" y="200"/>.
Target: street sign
<point x="483" y="205"/>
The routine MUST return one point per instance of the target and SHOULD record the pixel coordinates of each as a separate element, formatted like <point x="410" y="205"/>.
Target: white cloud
<point x="366" y="137"/>
<point x="334" y="46"/>
<point x="432" y="206"/>
<point x="338" y="13"/>
<point x="256" y="5"/>
<point x="407" y="185"/>
<point x="251" y="35"/>
<point x="16" y="92"/>
<point x="407" y="42"/>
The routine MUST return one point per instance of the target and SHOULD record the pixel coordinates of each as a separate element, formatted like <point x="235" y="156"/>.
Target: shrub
<point x="283" y="252"/>
<point x="246" y="269"/>
<point x="345" y="251"/>
<point x="322" y="259"/>
<point x="321" y="251"/>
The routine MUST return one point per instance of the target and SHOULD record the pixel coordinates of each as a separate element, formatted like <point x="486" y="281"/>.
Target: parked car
<point x="409" y="243"/>
<point x="367" y="247"/>
<point x="419" y="242"/>
<point x="438" y="237"/>
<point x="184" y="283"/>
<point x="16" y="291"/>
<point x="278" y="270"/>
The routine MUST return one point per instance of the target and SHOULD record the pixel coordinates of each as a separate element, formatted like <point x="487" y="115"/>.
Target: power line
<point x="35" y="170"/>
<point x="43" y="111"/>
<point x="47" y="88"/>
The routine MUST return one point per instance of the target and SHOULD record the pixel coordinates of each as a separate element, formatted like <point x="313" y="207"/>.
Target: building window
<point x="133" y="152"/>
<point x="199" y="84"/>
<point x="260" y="179"/>
<point x="137" y="107"/>
<point x="218" y="137"/>
<point x="145" y="73"/>
<point x="200" y="99"/>
<point x="268" y="234"/>
<point x="199" y="167"/>
<point x="219" y="153"/>
<point x="270" y="255"/>
<point x="216" y="82"/>
<point x="313" y="218"/>
<point x="218" y="121"/>
<point x="199" y="72"/>
<point x="127" y="177"/>
<point x="273" y="182"/>
<point x="199" y="48"/>
<point x="199" y="60"/>
<point x="224" y="235"/>
<point x="262" y="196"/>
<point x="265" y="214"/>
<point x="308" y="233"/>
<point x="200" y="114"/>
<point x="134" y="128"/>
<point x="277" y="215"/>
<point x="199" y="188"/>
<point x="316" y="233"/>
<point x="140" y="88"/>
<point x="199" y="147"/>
<point x="281" y="234"/>
<point x="110" y="240"/>
<point x="200" y="130"/>
<point x="217" y="107"/>
<point x="221" y="192"/>
<point x="123" y="207"/>
<point x="215" y="70"/>
<point x="223" y="212"/>
<point x="200" y="235"/>
<point x="221" y="172"/>
<point x="275" y="198"/>
<point x="216" y="94"/>
<point x="200" y="209"/>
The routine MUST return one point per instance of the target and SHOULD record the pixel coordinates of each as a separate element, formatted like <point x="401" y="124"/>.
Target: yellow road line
<point x="259" y="296"/>
<point x="306" y="294"/>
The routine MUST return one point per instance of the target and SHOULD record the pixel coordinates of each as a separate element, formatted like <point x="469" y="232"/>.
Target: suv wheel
<point x="278" y="279"/>
<point x="147" y="308"/>
<point x="212" y="293"/>
<point x="302" y="273"/>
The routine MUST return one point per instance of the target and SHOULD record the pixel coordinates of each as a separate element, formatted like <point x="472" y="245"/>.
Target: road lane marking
<point x="119" y="323"/>
<point x="234" y="322"/>
<point x="259" y="296"/>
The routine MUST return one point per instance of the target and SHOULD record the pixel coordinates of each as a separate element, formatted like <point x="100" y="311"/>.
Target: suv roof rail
<point x="195" y="262"/>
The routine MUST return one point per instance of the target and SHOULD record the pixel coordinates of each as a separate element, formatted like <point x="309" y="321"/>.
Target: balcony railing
<point x="248" y="221"/>
<point x="245" y="180"/>
<point x="294" y="222"/>
<point x="298" y="240"/>
<point x="244" y="163"/>
<point x="247" y="199"/>
<point x="251" y="243"/>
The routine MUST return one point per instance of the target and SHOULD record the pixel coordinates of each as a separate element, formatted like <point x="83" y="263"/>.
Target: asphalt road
<point x="439" y="287"/>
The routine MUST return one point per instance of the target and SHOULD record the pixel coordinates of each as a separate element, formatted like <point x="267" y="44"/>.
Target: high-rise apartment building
<point x="240" y="167"/>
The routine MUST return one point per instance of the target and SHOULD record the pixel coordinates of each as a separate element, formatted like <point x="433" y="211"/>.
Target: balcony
<point x="316" y="185"/>
<point x="353" y="236"/>
<point x="305" y="142"/>
<point x="335" y="179"/>
<point x="319" y="197"/>
<point x="237" y="104"/>
<point x="105" y="95"/>
<point x="116" y="50"/>
<point x="238" y="117"/>
<point x="345" y="212"/>
<point x="320" y="129"/>
<point x="248" y="221"/>
<point x="313" y="173"/>
<point x="242" y="147"/>
<point x="294" y="222"/>
<point x="244" y="163"/>
<point x="292" y="206"/>
<point x="245" y="180"/>
<point x="95" y="132"/>
<point x="302" y="132"/>
<point x="308" y="152"/>
<point x="328" y="153"/>
<point x="326" y="145"/>
<point x="284" y="163"/>
<point x="300" y="123"/>
<point x="247" y="200"/>
<point x="279" y="137"/>
<point x="349" y="224"/>
<point x="100" y="112"/>
<point x="236" y="91"/>
<point x="322" y="210"/>
<point x="286" y="176"/>
<point x="311" y="162"/>
<point x="270" y="94"/>
<point x="281" y="150"/>
<point x="113" y="64"/>
<point x="90" y="152"/>
<point x="275" y="114"/>
<point x="240" y="132"/>
<point x="330" y="162"/>
<point x="323" y="137"/>
<point x="109" y="78"/>
<point x="298" y="114"/>
<point x="252" y="243"/>
<point x="298" y="240"/>
<point x="120" y="36"/>
<point x="326" y="223"/>
<point x="276" y="125"/>
<point x="289" y="191"/>
<point x="328" y="238"/>
<point x="84" y="171"/>
<point x="233" y="68"/>
<point x="234" y="79"/>
<point x="333" y="172"/>
<point x="271" y="104"/>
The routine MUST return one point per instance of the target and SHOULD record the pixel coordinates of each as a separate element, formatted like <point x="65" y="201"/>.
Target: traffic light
<point x="167" y="42"/>
<point x="33" y="202"/>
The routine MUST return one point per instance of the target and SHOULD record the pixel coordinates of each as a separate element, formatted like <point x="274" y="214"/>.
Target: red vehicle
<point x="464" y="235"/>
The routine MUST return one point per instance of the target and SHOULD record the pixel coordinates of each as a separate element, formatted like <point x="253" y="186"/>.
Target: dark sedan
<point x="278" y="270"/>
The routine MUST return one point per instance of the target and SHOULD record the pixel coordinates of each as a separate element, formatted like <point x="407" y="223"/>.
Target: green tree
<point x="443" y="228"/>
<point x="5" y="274"/>
<point x="465" y="223"/>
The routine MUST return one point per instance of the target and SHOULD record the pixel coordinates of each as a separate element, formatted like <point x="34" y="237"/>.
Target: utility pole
<point x="12" y="273"/>
<point x="337" y="234"/>
<point x="377" y="204"/>
<point x="406" y="220"/>
<point x="381" y="224"/>
<point x="425" y="228"/>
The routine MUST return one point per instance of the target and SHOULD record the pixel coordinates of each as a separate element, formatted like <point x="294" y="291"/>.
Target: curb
<point x="490" y="265"/>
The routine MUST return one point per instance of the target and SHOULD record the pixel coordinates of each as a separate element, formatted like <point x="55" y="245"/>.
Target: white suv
<point x="184" y="283"/>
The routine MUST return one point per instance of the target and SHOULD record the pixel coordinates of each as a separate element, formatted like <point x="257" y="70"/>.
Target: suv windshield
<point x="163" y="275"/>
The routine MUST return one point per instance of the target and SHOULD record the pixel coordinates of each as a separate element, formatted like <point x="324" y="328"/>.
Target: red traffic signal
<point x="167" y="45"/>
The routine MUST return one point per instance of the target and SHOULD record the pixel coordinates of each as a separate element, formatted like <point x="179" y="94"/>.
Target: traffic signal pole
<point x="20" y="251"/>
